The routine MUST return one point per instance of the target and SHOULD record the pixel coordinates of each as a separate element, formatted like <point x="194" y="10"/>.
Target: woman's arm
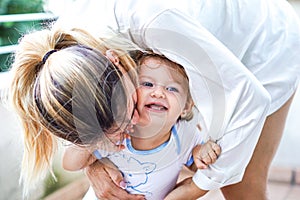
<point x="76" y="158"/>
<point x="204" y="155"/>
<point x="107" y="181"/>
<point x="187" y="186"/>
<point x="104" y="176"/>
<point x="232" y="101"/>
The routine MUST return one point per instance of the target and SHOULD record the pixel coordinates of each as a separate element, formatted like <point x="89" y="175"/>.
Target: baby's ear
<point x="112" y="56"/>
<point x="189" y="105"/>
<point x="187" y="112"/>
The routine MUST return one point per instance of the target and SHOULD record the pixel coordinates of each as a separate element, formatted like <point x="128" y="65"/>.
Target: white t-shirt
<point x="242" y="59"/>
<point x="154" y="172"/>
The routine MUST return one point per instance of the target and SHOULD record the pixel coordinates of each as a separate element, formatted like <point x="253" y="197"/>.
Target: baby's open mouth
<point x="158" y="107"/>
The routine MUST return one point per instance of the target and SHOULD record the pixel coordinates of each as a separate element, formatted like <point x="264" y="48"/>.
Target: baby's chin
<point x="148" y="129"/>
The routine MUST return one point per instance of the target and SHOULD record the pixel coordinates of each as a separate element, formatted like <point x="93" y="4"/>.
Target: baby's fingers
<point x="213" y="157"/>
<point x="206" y="159"/>
<point x="199" y="164"/>
<point x="216" y="148"/>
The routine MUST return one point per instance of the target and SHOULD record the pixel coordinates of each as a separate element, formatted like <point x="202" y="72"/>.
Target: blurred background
<point x="18" y="17"/>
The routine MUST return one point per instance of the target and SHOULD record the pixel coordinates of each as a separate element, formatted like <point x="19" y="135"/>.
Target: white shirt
<point x="242" y="59"/>
<point x="154" y="172"/>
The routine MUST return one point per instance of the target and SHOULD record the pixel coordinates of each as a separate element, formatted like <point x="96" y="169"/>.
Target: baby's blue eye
<point x="172" y="89"/>
<point x="147" y="84"/>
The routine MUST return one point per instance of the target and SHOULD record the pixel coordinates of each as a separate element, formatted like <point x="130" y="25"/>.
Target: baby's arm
<point x="76" y="158"/>
<point x="205" y="154"/>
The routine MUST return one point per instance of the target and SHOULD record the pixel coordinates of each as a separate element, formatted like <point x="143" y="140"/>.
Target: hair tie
<point x="46" y="56"/>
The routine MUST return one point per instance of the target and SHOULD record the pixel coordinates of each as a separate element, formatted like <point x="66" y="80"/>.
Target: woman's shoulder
<point x="138" y="13"/>
<point x="95" y="16"/>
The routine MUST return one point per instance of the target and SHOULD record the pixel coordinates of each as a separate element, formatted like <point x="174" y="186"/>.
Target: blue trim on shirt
<point x="157" y="149"/>
<point x="190" y="161"/>
<point x="97" y="154"/>
<point x="174" y="131"/>
<point x="144" y="152"/>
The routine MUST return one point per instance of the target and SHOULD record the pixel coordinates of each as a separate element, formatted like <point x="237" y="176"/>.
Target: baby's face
<point x="162" y="93"/>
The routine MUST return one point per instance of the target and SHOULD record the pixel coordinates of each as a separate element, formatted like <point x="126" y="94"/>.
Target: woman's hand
<point x="107" y="181"/>
<point x="186" y="190"/>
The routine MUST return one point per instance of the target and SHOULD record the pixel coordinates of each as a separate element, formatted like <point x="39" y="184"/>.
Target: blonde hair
<point x="52" y="93"/>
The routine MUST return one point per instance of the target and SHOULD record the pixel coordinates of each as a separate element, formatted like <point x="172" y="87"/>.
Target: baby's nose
<point x="158" y="92"/>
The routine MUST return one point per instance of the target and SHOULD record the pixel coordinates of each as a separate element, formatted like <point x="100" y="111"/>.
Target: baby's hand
<point x="206" y="154"/>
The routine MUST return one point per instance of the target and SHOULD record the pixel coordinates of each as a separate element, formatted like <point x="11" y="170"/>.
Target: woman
<point x="64" y="85"/>
<point x="242" y="61"/>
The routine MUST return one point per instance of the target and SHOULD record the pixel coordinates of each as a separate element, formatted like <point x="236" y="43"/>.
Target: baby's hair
<point x="63" y="85"/>
<point x="141" y="56"/>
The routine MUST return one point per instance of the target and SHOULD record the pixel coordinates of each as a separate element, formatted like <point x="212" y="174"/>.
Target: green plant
<point x="10" y="32"/>
<point x="63" y="178"/>
<point x="51" y="185"/>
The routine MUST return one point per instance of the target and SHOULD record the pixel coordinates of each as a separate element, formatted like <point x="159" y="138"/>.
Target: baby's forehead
<point x="156" y="62"/>
<point x="162" y="73"/>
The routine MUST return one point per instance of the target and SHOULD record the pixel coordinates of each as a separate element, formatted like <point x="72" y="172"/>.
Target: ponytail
<point x="39" y="145"/>
<point x="39" y="141"/>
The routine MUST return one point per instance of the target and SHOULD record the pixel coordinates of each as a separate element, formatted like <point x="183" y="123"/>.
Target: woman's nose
<point x="158" y="92"/>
